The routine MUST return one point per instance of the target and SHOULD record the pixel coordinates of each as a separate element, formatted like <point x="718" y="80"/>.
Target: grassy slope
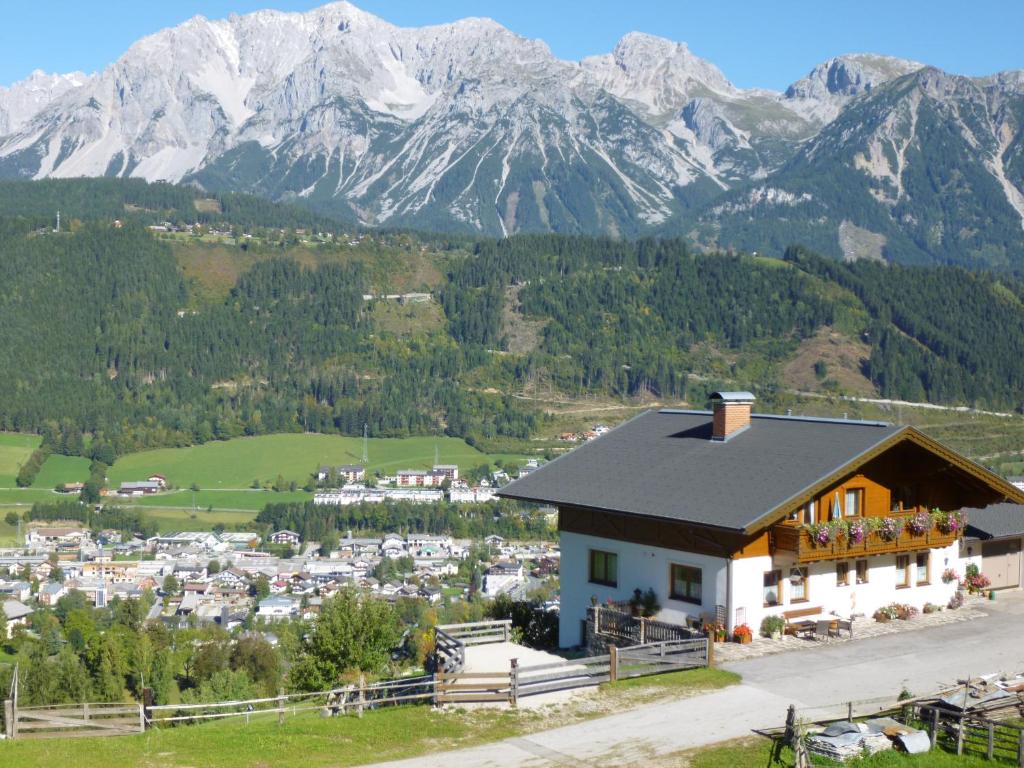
<point x="62" y="469"/>
<point x="308" y="741"/>
<point x="15" y="448"/>
<point x="236" y="463"/>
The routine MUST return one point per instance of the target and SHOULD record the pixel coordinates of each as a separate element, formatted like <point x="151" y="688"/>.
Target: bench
<point x="794" y="616"/>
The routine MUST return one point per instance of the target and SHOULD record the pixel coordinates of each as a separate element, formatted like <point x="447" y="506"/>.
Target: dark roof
<point x="996" y="521"/>
<point x="664" y="464"/>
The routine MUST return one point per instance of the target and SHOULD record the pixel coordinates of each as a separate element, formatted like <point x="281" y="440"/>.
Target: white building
<point x="502" y="576"/>
<point x="732" y="517"/>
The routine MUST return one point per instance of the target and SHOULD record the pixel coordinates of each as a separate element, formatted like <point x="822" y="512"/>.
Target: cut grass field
<point x="234" y="464"/>
<point x="15" y="448"/>
<point x="309" y="741"/>
<point x="227" y="500"/>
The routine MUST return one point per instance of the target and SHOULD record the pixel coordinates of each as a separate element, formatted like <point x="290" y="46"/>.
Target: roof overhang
<point x="1000" y="487"/>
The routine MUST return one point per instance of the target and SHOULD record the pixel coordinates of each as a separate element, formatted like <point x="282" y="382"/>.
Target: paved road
<point x="921" y="661"/>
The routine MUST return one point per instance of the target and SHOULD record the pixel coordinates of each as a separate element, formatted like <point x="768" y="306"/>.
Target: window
<point x="810" y="510"/>
<point x="842" y="574"/>
<point x="771" y="587"/>
<point x="797" y="585"/>
<point x="902" y="571"/>
<point x="854" y="501"/>
<point x="862" y="571"/>
<point x="922" y="568"/>
<point x="604" y="568"/>
<point x="686" y="582"/>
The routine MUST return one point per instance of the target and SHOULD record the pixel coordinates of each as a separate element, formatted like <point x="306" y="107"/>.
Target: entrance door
<point x="1000" y="561"/>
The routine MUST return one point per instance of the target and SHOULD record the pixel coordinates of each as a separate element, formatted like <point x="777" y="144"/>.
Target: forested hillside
<point x="108" y="347"/>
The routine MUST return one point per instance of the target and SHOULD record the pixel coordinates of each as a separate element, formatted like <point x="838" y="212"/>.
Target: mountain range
<point x="470" y="127"/>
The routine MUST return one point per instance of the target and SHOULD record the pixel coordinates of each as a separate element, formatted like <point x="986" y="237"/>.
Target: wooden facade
<point x="907" y="477"/>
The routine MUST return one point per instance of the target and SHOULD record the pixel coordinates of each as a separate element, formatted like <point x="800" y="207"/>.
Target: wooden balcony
<point x="797" y="540"/>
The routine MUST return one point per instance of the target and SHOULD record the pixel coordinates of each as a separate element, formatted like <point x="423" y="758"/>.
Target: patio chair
<point x="821" y="629"/>
<point x="846" y="624"/>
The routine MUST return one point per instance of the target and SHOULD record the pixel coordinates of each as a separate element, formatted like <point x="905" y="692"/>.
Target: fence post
<point x="9" y="718"/>
<point x="935" y="727"/>
<point x="613" y="663"/>
<point x="85" y="711"/>
<point x="513" y="683"/>
<point x="1020" y="747"/>
<point x="362" y="695"/>
<point x="147" y="702"/>
<point x="597" y="619"/>
<point x="643" y="630"/>
<point x="710" y="650"/>
<point x="960" y="732"/>
<point x="280" y="706"/>
<point x="991" y="740"/>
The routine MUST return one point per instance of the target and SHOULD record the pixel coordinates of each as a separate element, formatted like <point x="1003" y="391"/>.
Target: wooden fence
<point x="624" y="627"/>
<point x="66" y="721"/>
<point x="970" y="734"/>
<point x="450" y="641"/>
<point x="443" y="687"/>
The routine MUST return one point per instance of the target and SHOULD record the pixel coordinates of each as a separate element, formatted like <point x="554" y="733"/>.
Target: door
<point x="1000" y="561"/>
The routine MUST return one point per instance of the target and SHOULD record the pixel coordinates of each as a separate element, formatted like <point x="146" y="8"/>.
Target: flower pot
<point x="742" y="639"/>
<point x="881" y="618"/>
<point x="776" y="635"/>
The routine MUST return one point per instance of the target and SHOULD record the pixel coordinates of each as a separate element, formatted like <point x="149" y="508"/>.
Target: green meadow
<point x="234" y="464"/>
<point x="15" y="448"/>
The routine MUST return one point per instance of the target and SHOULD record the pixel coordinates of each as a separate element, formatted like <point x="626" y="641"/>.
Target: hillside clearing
<point x="234" y="464"/>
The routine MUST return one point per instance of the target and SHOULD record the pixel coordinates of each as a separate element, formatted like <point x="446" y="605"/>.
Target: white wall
<point x="864" y="599"/>
<point x="648" y="567"/>
<point x="640" y="566"/>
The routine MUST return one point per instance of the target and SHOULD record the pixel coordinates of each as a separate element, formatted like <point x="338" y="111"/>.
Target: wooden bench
<point x="793" y="618"/>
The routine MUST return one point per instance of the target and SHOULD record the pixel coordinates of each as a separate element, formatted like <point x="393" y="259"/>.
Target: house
<point x="291" y="538"/>
<point x="160" y="480"/>
<point x="51" y="592"/>
<point x="502" y="576"/>
<point x="730" y="516"/>
<point x="994" y="541"/>
<point x="450" y="471"/>
<point x="12" y="614"/>
<point x="239" y="540"/>
<point x="418" y="478"/>
<point x="352" y="473"/>
<point x="277" y="608"/>
<point x="56" y="536"/>
<point x="140" y="488"/>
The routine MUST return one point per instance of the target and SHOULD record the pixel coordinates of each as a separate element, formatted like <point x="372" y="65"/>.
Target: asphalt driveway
<point x="827" y="676"/>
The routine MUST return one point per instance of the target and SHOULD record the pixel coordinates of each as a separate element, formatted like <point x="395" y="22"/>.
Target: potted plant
<point x="950" y="575"/>
<point x="856" y="530"/>
<point x="773" y="626"/>
<point x="742" y="634"/>
<point x="890" y="528"/>
<point x="649" y="605"/>
<point x="919" y="524"/>
<point x="949" y="522"/>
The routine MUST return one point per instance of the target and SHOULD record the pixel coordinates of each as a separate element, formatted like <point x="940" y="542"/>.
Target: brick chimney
<point x="731" y="414"/>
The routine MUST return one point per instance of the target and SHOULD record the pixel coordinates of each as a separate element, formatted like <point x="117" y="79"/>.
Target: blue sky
<point x="756" y="43"/>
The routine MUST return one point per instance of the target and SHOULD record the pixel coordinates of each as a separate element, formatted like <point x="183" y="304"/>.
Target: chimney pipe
<point x="730" y="414"/>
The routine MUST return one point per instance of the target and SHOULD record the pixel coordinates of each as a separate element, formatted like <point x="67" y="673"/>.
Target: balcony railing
<point x="800" y="541"/>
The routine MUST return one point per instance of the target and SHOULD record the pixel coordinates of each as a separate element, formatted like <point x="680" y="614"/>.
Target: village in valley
<point x="233" y="578"/>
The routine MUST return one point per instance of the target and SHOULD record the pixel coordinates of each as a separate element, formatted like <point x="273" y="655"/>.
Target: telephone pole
<point x="366" y="451"/>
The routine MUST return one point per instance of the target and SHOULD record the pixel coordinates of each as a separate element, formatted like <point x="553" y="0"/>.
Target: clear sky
<point x="754" y="42"/>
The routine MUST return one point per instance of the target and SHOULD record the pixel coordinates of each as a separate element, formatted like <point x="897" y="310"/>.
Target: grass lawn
<point x="304" y="741"/>
<point x="169" y="520"/>
<point x="231" y="500"/>
<point x="760" y="752"/>
<point x="58" y="470"/>
<point x="309" y="740"/>
<point x="234" y="464"/>
<point x="15" y="448"/>
<point x="26" y="497"/>
<point x="8" y="533"/>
